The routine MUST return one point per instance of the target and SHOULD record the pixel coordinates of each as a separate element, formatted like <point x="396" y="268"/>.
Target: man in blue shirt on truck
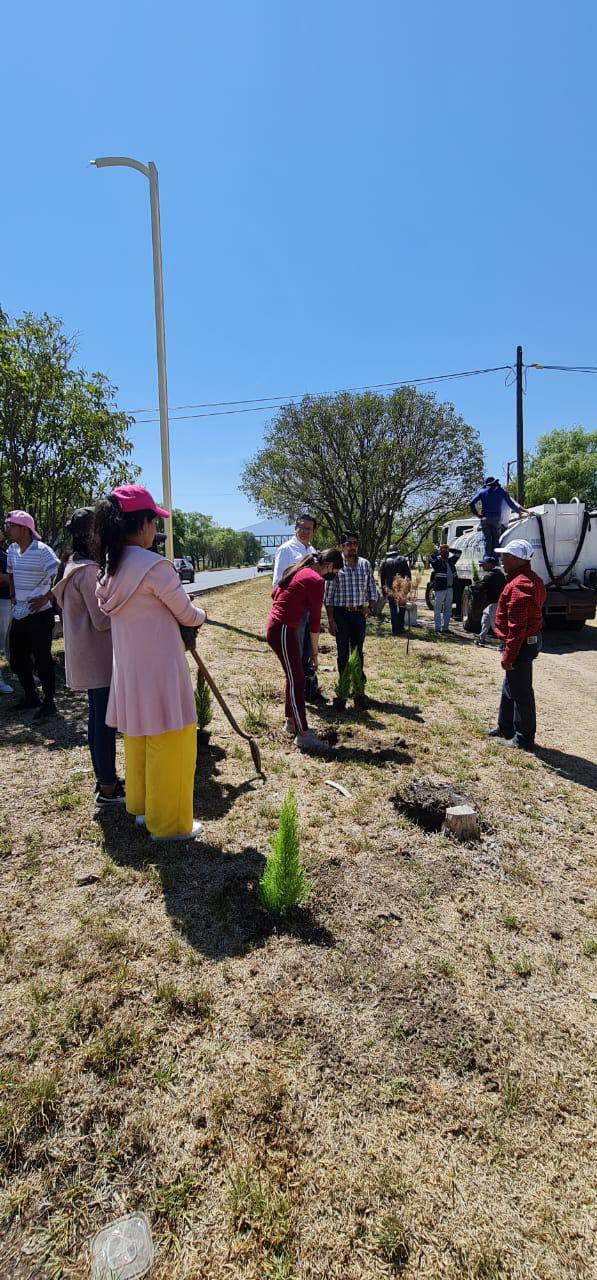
<point x="493" y="499"/>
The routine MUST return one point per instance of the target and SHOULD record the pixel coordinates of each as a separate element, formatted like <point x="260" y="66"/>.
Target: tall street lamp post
<point x="150" y="172"/>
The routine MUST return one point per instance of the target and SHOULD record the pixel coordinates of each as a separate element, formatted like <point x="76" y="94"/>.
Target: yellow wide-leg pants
<point x="159" y="774"/>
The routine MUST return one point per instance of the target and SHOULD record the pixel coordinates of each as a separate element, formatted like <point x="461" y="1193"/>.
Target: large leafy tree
<point x="563" y="466"/>
<point x="368" y="462"/>
<point x="62" y="440"/>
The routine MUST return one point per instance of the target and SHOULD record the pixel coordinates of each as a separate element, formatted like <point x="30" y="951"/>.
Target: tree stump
<point x="462" y="822"/>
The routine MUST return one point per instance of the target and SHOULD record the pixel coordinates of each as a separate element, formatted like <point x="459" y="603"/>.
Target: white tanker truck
<point x="564" y="537"/>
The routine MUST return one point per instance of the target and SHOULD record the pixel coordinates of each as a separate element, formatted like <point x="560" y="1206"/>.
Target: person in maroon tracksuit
<point x="300" y="589"/>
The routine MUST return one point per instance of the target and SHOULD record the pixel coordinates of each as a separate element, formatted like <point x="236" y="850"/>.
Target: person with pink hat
<point x="31" y="565"/>
<point x="151" y="698"/>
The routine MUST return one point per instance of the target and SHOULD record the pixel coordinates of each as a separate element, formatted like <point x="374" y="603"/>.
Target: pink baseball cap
<point x="133" y="497"/>
<point x="27" y="521"/>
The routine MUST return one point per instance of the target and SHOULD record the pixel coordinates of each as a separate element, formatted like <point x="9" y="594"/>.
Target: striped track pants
<point x="284" y="642"/>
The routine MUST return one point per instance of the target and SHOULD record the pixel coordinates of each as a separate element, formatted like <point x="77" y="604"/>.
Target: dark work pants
<point x="101" y="738"/>
<point x="517" y="717"/>
<point x="350" y="634"/>
<point x="30" y="643"/>
<point x="492" y="531"/>
<point x="397" y="612"/>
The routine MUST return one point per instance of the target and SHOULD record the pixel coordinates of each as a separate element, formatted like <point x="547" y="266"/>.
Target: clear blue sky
<point x="351" y="193"/>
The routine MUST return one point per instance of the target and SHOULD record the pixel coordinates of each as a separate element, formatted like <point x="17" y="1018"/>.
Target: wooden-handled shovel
<point x="189" y="636"/>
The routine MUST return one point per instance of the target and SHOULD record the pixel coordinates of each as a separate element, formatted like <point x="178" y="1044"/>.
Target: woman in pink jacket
<point x="88" y="652"/>
<point x="151" y="696"/>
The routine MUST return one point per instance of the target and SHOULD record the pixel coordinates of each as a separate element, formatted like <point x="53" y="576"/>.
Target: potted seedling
<point x="204" y="709"/>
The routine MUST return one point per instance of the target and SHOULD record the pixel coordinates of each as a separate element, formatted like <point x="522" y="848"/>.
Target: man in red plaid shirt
<point x="518" y="623"/>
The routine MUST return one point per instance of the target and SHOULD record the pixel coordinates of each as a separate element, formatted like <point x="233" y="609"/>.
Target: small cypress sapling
<point x="284" y="884"/>
<point x="356" y="674"/>
<point x="342" y="685"/>
<point x="203" y="701"/>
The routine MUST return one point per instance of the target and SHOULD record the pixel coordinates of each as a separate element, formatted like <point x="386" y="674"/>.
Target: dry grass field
<point x="394" y="1082"/>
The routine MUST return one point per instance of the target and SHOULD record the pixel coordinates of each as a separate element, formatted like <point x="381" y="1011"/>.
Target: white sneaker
<point x="5" y="688"/>
<point x="310" y="741"/>
<point x="196" y="830"/>
<point x="139" y="819"/>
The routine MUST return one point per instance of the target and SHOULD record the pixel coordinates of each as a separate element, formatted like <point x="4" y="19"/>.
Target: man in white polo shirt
<point x="31" y="566"/>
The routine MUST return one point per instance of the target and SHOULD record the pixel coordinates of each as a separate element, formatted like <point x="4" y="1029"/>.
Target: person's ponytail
<point x="331" y="556"/>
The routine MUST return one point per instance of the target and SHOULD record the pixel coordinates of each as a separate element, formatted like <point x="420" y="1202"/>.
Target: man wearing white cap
<point x="518" y="622"/>
<point x="31" y="566"/>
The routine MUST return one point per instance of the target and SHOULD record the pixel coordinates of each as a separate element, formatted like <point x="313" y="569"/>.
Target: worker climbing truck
<point x="564" y="538"/>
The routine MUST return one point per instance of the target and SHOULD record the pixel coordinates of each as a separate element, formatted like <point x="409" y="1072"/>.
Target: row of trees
<point x="209" y="544"/>
<point x="391" y="466"/>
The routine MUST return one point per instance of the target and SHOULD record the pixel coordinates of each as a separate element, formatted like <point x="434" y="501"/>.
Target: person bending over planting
<point x="151" y="695"/>
<point x="300" y="589"/>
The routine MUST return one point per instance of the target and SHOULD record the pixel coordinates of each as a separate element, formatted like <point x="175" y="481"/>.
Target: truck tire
<point x="471" y="616"/>
<point x="429" y="596"/>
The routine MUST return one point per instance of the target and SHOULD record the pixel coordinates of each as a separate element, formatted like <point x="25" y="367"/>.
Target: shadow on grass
<point x="212" y="897"/>
<point x="66" y="729"/>
<point x="397" y="709"/>
<point x="371" y="755"/>
<point x="574" y="768"/>
<point x="227" y="626"/>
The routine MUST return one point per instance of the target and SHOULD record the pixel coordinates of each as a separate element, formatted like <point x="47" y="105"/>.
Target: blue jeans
<point x="101" y="738"/>
<point x="442" y="609"/>
<point x="492" y="531"/>
<point x="517" y="716"/>
<point x="397" y="612"/>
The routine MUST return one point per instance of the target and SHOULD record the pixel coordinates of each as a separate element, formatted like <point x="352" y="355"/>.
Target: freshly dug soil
<point x="425" y="802"/>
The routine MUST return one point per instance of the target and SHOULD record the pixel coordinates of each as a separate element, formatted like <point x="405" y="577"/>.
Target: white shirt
<point x="288" y="554"/>
<point x="32" y="572"/>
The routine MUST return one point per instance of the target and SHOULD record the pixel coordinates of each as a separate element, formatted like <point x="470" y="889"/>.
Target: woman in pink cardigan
<point x="151" y="696"/>
<point x="88" y="652"/>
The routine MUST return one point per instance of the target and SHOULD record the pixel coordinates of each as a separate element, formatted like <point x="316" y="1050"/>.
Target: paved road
<point x="217" y="578"/>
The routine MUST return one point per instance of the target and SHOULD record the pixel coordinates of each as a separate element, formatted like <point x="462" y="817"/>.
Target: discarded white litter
<point x="123" y="1250"/>
<point x="338" y="787"/>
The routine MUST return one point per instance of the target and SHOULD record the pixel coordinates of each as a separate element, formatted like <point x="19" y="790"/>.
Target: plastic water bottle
<point x="123" y="1250"/>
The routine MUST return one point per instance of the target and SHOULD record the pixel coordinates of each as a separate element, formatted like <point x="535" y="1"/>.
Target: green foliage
<point x="364" y="460"/>
<point x="203" y="701"/>
<point x="350" y="682"/>
<point x="62" y="440"/>
<point x="199" y="536"/>
<point x="283" y="884"/>
<point x="563" y="466"/>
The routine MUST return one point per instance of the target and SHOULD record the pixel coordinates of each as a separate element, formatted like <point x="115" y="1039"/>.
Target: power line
<point x="262" y="403"/>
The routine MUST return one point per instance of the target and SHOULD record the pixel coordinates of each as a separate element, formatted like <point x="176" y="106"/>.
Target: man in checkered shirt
<point x="348" y="600"/>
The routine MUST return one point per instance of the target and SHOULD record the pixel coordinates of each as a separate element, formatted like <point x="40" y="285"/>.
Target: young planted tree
<point x="284" y="884"/>
<point x="350" y="683"/>
<point x="203" y="702"/>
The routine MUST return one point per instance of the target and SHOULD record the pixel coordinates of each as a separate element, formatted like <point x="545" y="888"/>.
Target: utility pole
<point x="519" y="431"/>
